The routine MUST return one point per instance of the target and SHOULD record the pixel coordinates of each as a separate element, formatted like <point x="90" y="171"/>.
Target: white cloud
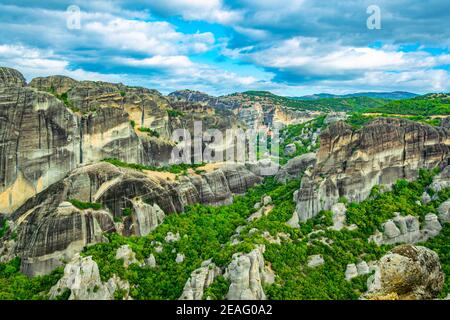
<point x="32" y="62"/>
<point x="207" y="10"/>
<point x="153" y="38"/>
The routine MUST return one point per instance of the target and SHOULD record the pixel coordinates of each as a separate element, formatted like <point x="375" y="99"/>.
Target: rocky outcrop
<point x="51" y="233"/>
<point x="127" y="255"/>
<point x="247" y="273"/>
<point x="407" y="272"/>
<point x="11" y="78"/>
<point x="315" y="261"/>
<point x="150" y="262"/>
<point x="355" y="270"/>
<point x="146" y="218"/>
<point x="444" y="211"/>
<point x="350" y="163"/>
<point x="406" y="229"/>
<point x="50" y="229"/>
<point x="199" y="280"/>
<point x="295" y="167"/>
<point x="441" y="181"/>
<point x="335" y="117"/>
<point x="43" y="137"/>
<point x="82" y="278"/>
<point x="39" y="144"/>
<point x="339" y="216"/>
<point x="53" y="84"/>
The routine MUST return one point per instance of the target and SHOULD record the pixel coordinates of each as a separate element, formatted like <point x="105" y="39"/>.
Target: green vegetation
<point x="85" y="205"/>
<point x="218" y="289"/>
<point x="351" y="104"/>
<point x="441" y="245"/>
<point x="150" y="132"/>
<point x="290" y="134"/>
<point x="420" y="106"/>
<point x="434" y="104"/>
<point x="127" y="212"/>
<point x="64" y="97"/>
<point x="358" y="120"/>
<point x="175" y="168"/>
<point x="174" y="113"/>
<point x="16" y="286"/>
<point x="206" y="231"/>
<point x="3" y="228"/>
<point x="133" y="123"/>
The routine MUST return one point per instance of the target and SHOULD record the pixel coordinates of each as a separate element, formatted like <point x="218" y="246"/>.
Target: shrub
<point x="85" y="205"/>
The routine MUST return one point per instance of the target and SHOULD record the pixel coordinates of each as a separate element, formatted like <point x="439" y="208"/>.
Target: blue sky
<point x="291" y="47"/>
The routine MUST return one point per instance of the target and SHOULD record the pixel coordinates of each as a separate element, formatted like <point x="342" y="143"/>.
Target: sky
<point x="290" y="47"/>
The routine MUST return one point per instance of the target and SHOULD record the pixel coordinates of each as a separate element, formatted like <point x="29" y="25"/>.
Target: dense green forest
<point x="419" y="106"/>
<point x="205" y="234"/>
<point x="422" y="106"/>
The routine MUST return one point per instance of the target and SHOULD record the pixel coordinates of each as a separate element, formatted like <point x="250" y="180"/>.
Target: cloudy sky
<point x="290" y="47"/>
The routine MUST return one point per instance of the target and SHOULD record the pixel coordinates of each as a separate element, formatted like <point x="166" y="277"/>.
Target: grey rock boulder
<point x="407" y="272"/>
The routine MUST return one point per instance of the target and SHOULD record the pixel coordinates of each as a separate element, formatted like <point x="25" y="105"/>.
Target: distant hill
<point x="426" y="105"/>
<point x="396" y="95"/>
<point x="397" y="102"/>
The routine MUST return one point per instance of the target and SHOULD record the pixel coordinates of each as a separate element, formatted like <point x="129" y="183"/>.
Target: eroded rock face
<point x="200" y="279"/>
<point x="127" y="255"/>
<point x="406" y="229"/>
<point x="295" y="167"/>
<point x="247" y="273"/>
<point x="315" y="261"/>
<point x="57" y="84"/>
<point x="355" y="270"/>
<point x="147" y="217"/>
<point x="407" y="272"/>
<point x="42" y="139"/>
<point x="350" y="163"/>
<point x="444" y="211"/>
<point x="11" y="77"/>
<point x="47" y="238"/>
<point x="82" y="278"/>
<point x="441" y="180"/>
<point x="39" y="144"/>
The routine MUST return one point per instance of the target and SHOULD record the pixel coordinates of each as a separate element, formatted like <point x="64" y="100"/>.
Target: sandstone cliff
<point x="50" y="229"/>
<point x="350" y="163"/>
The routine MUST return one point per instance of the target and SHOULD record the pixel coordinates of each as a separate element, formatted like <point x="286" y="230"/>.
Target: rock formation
<point x="355" y="270"/>
<point x="247" y="273"/>
<point x="82" y="278"/>
<point x="442" y="180"/>
<point x="11" y="78"/>
<point x="350" y="163"/>
<point x="407" y="272"/>
<point x="444" y="211"/>
<point x="127" y="255"/>
<point x="50" y="229"/>
<point x="295" y="167"/>
<point x="200" y="279"/>
<point x="406" y="229"/>
<point x="315" y="261"/>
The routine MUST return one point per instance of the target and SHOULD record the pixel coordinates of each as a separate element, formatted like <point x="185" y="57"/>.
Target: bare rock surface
<point x="199" y="280"/>
<point x="407" y="272"/>
<point x="82" y="278"/>
<point x="247" y="273"/>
